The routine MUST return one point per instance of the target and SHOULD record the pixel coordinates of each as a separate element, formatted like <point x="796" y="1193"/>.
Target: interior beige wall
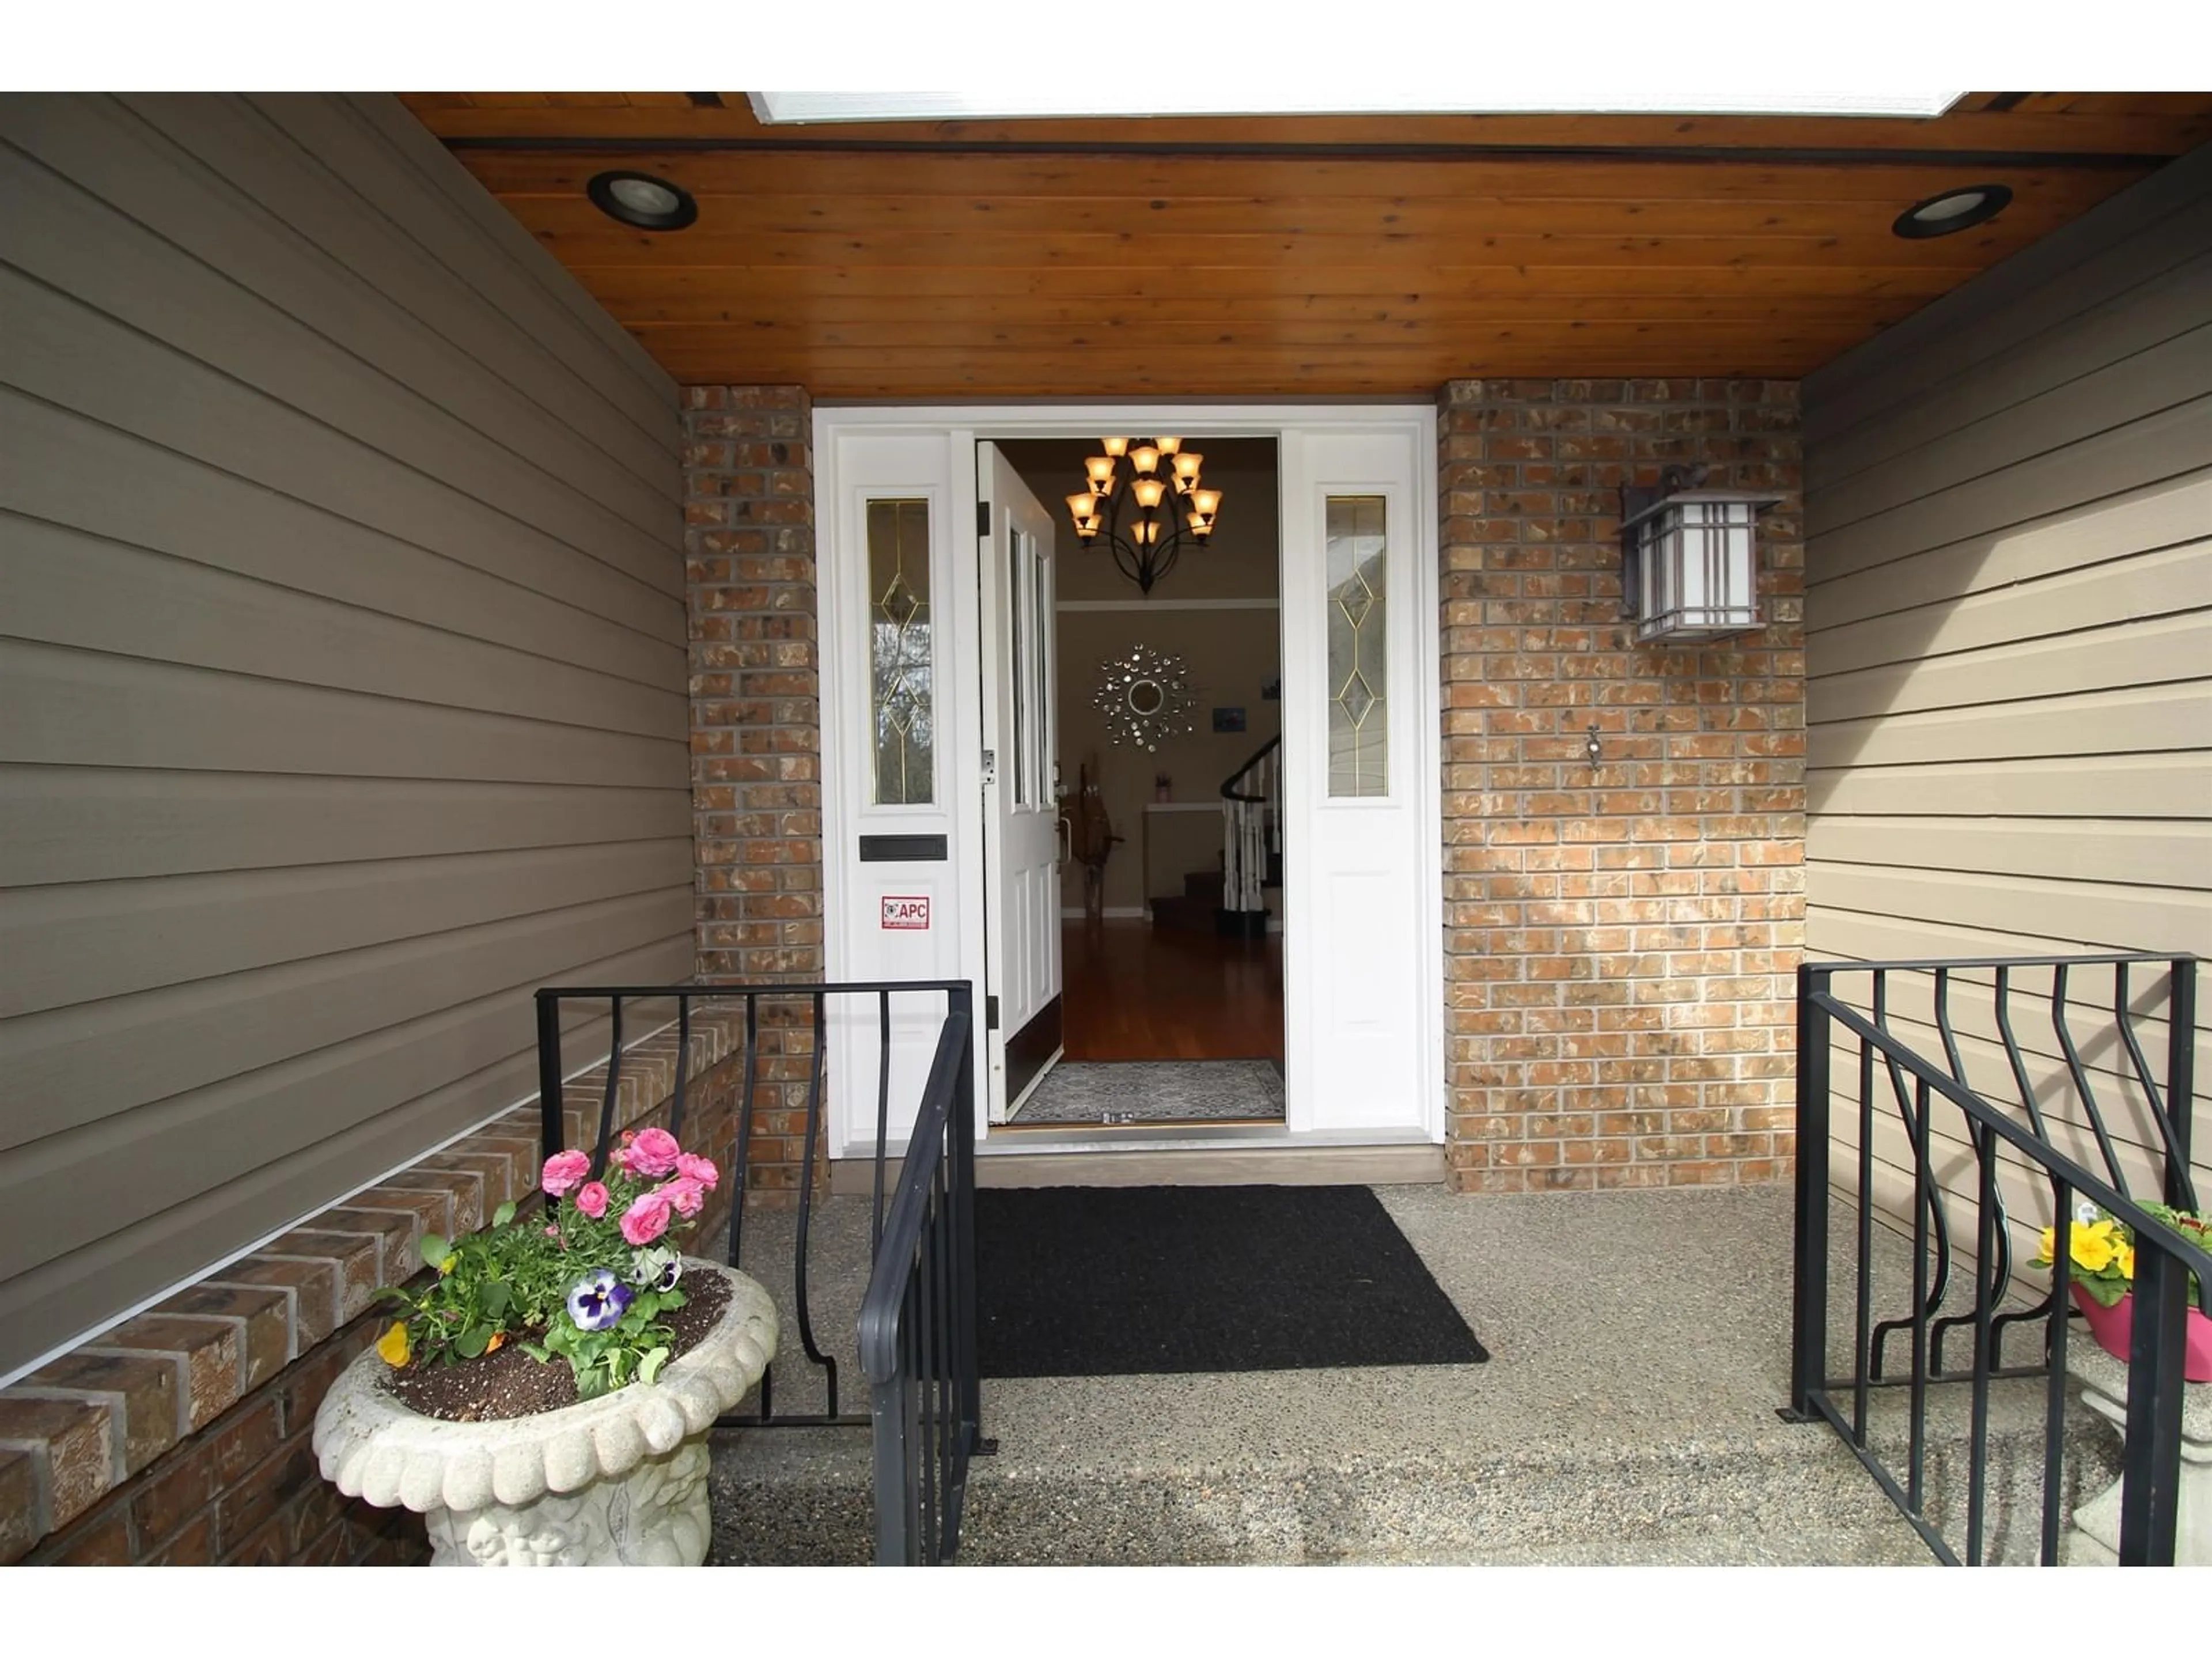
<point x="1228" y="653"/>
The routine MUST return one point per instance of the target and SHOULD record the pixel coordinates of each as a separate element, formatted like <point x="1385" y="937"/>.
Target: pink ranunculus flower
<point x="688" y="1196"/>
<point x="646" y="1219"/>
<point x="592" y="1199"/>
<point x="653" y="1154"/>
<point x="700" y="1169"/>
<point x="565" y="1172"/>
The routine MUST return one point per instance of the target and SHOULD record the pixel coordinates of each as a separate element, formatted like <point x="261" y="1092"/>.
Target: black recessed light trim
<point x="601" y="189"/>
<point x="1995" y="199"/>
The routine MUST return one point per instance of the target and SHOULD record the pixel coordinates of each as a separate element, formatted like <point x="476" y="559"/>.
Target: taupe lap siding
<point x="2009" y="637"/>
<point x="341" y="658"/>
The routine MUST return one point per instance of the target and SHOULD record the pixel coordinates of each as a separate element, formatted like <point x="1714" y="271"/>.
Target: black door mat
<point x="1129" y="1281"/>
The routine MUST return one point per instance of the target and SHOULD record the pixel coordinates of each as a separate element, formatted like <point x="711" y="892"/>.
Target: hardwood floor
<point x="1137" y="993"/>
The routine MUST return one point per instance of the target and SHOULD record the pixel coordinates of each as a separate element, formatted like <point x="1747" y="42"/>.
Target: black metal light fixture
<point x="1165" y="484"/>
<point x="1952" y="211"/>
<point x="641" y="199"/>
<point x="1689" y="563"/>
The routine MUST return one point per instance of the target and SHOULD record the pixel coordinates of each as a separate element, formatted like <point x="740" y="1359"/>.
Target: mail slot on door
<point x="902" y="849"/>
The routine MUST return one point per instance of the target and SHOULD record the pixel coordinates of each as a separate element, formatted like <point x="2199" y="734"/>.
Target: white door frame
<point x="951" y="432"/>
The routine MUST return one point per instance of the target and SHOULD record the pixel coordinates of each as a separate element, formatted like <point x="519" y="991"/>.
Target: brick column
<point x="757" y="723"/>
<point x="1620" y="939"/>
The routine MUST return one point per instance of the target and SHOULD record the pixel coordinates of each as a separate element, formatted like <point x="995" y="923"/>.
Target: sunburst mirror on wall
<point x="1145" y="698"/>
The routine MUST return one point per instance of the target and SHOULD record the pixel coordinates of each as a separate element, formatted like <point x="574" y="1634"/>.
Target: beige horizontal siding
<point x="2161" y="649"/>
<point x="150" y="1045"/>
<point x="216" y="519"/>
<point x="341" y="642"/>
<point x="2008" y="621"/>
<point x="2164" y="514"/>
<point x="73" y="356"/>
<point x="91" y="823"/>
<point x="2113" y="787"/>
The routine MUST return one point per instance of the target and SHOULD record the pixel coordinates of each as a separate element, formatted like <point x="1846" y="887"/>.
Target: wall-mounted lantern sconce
<point x="1689" y="569"/>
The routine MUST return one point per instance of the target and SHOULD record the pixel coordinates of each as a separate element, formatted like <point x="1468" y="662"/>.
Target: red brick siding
<point x="757" y="729"/>
<point x="1619" y="938"/>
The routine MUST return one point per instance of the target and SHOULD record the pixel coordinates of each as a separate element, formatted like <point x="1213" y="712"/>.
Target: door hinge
<point x="983" y="518"/>
<point x="990" y="1013"/>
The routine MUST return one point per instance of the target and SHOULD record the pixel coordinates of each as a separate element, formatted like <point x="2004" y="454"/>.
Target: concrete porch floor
<point x="1639" y="1344"/>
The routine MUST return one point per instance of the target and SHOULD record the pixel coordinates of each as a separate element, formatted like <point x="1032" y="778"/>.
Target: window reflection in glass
<point x="899" y="653"/>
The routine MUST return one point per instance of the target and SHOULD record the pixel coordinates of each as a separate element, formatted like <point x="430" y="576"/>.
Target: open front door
<point x="1021" y="811"/>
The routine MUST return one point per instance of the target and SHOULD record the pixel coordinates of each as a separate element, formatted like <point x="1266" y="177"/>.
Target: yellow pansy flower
<point x="392" y="1346"/>
<point x="447" y="1264"/>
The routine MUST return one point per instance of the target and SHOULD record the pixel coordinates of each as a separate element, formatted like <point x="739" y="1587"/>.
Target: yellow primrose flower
<point x="448" y="1265"/>
<point x="2050" y="1251"/>
<point x="2125" y="1253"/>
<point x="392" y="1346"/>
<point x="2093" y="1246"/>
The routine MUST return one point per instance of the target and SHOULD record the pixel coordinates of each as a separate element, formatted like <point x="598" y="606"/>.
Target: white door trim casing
<point x="930" y="451"/>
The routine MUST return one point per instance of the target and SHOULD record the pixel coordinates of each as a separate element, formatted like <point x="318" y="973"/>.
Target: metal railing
<point x="798" y="1013"/>
<point x="918" y="1319"/>
<point x="2014" y="1125"/>
<point x="1251" y="836"/>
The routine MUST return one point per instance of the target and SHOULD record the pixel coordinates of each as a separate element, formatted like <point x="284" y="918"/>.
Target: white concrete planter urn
<point x="618" y="1480"/>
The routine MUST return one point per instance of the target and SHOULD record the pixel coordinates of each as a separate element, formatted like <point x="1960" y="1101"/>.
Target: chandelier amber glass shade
<point x="1145" y="550"/>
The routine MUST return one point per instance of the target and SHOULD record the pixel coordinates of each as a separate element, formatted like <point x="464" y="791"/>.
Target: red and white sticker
<point x="906" y="912"/>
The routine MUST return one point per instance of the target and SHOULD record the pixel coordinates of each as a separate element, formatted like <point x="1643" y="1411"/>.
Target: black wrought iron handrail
<point x="918" y="1319"/>
<point x="813" y="1001"/>
<point x="2165" y="1260"/>
<point x="1228" y="785"/>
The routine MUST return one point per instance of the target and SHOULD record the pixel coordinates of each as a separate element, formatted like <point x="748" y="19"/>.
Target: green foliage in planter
<point x="588" y="1282"/>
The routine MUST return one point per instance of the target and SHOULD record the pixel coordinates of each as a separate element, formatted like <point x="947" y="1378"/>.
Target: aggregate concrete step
<point x="806" y="1499"/>
<point x="1795" y="1497"/>
<point x="1627" y="1416"/>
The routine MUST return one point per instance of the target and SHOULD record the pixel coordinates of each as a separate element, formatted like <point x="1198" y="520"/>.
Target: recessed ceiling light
<point x="772" y="108"/>
<point x="641" y="199"/>
<point x="1954" y="210"/>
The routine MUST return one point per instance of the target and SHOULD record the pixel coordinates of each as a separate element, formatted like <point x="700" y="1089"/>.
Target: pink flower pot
<point x="2114" y="1326"/>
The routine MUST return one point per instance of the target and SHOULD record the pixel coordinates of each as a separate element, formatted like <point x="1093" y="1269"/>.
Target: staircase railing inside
<point x="917" y="1326"/>
<point x="1251" y="833"/>
<point x="2014" y="1138"/>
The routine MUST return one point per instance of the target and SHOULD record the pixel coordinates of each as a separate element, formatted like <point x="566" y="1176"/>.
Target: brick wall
<point x="1619" y="938"/>
<point x="757" y="729"/>
<point x="182" y="1437"/>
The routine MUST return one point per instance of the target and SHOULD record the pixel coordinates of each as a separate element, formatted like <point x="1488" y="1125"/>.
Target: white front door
<point x="1021" y="809"/>
<point x="912" y="829"/>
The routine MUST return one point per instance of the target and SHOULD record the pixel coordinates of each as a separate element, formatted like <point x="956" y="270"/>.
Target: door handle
<point x="1064" y="837"/>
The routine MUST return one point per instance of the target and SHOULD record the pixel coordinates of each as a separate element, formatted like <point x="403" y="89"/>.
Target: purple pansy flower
<point x="598" y="1301"/>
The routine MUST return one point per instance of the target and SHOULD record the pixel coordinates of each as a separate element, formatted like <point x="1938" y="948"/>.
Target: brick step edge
<point x="121" y="1403"/>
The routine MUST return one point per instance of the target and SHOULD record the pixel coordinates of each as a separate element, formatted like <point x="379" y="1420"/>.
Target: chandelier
<point x="1171" y="508"/>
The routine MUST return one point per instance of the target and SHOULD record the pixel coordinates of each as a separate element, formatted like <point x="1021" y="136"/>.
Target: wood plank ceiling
<point x="1255" y="257"/>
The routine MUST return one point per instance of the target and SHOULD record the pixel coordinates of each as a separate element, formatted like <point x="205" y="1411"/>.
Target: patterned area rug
<point x="1155" y="1092"/>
